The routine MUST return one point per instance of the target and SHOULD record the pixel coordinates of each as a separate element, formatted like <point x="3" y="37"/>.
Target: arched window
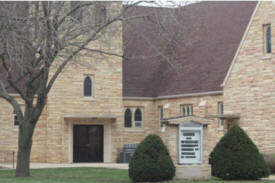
<point x="138" y="118"/>
<point x="268" y="39"/>
<point x="87" y="86"/>
<point x="128" y="118"/>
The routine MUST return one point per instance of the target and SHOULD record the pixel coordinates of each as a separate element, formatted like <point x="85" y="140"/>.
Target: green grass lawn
<point x="81" y="175"/>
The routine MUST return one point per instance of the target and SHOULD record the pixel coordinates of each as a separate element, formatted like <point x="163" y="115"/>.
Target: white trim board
<point x="175" y="96"/>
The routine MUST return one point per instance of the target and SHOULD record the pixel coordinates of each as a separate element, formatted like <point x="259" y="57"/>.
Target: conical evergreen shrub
<point x="151" y="161"/>
<point x="237" y="157"/>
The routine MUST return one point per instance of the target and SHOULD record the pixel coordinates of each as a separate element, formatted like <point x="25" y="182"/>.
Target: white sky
<point x="162" y="3"/>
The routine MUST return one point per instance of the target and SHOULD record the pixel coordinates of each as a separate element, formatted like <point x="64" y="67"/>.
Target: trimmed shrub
<point x="237" y="157"/>
<point x="270" y="161"/>
<point x="151" y="161"/>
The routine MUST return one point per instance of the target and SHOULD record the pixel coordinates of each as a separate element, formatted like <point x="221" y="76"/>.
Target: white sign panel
<point x="190" y="145"/>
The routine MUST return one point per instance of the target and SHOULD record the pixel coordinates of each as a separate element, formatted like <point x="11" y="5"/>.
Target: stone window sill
<point x="220" y="129"/>
<point x="267" y="57"/>
<point x="134" y="129"/>
<point x="89" y="99"/>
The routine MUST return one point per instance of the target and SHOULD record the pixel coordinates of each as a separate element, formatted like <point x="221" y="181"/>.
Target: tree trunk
<point x="24" y="149"/>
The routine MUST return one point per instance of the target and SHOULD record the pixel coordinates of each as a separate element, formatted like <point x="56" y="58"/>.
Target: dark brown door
<point x="88" y="143"/>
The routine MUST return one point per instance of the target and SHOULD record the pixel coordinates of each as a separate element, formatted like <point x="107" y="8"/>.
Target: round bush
<point x="151" y="161"/>
<point x="237" y="157"/>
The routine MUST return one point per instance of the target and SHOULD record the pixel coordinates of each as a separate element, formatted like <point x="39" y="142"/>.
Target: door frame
<point x="107" y="138"/>
<point x="102" y="146"/>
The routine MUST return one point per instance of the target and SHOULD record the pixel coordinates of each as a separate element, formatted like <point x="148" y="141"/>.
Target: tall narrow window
<point x="138" y="118"/>
<point x="267" y="38"/>
<point x="87" y="86"/>
<point x="220" y="111"/>
<point x="15" y="119"/>
<point x="160" y="115"/>
<point x="187" y="109"/>
<point x="128" y="118"/>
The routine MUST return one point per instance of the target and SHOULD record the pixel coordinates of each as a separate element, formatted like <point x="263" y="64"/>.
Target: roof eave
<point x="175" y="96"/>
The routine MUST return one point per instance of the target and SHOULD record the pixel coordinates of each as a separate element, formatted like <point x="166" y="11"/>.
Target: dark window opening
<point x="138" y="118"/>
<point x="138" y="115"/>
<point x="220" y="111"/>
<point x="160" y="115"/>
<point x="268" y="39"/>
<point x="87" y="86"/>
<point x="128" y="118"/>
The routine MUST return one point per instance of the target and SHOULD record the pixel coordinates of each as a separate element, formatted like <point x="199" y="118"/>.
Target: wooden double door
<point x="88" y="143"/>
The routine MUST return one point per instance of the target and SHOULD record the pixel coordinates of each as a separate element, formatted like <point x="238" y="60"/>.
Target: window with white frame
<point x="187" y="110"/>
<point x="133" y="117"/>
<point x="267" y="39"/>
<point x="160" y="112"/>
<point x="220" y="111"/>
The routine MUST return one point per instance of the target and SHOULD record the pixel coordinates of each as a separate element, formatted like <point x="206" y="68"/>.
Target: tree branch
<point x="60" y="68"/>
<point x="4" y="94"/>
<point x="10" y="81"/>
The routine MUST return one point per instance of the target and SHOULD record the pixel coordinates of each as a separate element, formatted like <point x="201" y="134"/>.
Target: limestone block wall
<point x="50" y="142"/>
<point x="67" y="97"/>
<point x="250" y="88"/>
<point x="9" y="133"/>
<point x="150" y="123"/>
<point x="151" y="118"/>
<point x="174" y="109"/>
<point x="211" y="108"/>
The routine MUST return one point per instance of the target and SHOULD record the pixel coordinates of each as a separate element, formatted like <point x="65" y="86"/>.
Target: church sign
<point x="190" y="143"/>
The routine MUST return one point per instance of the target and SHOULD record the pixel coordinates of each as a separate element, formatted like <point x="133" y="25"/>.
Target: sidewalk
<point x="271" y="177"/>
<point x="54" y="165"/>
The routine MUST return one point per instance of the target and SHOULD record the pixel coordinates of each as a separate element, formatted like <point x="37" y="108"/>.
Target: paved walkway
<point x="54" y="165"/>
<point x="271" y="177"/>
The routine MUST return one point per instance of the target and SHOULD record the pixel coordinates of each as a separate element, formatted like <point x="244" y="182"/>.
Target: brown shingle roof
<point x="207" y="35"/>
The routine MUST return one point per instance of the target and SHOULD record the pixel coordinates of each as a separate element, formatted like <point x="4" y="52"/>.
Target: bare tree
<point x="38" y="40"/>
<point x="36" y="37"/>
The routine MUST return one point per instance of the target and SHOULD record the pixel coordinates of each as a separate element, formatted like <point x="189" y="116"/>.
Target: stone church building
<point x="226" y="77"/>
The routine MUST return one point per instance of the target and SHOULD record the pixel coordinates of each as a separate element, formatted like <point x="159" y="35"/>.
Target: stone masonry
<point x="250" y="88"/>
